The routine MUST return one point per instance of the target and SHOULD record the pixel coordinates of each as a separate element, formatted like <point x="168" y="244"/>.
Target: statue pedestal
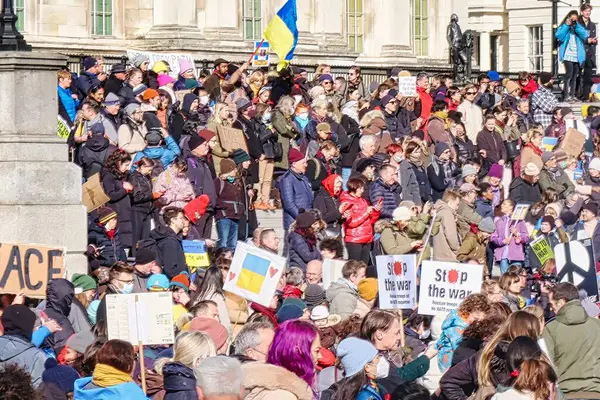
<point x="40" y="200"/>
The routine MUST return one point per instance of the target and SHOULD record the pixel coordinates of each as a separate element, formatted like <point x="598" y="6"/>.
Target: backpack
<point x="96" y="166"/>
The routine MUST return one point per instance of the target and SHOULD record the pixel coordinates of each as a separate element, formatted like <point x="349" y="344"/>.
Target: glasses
<point x="127" y="282"/>
<point x="327" y="83"/>
<point x="470" y="93"/>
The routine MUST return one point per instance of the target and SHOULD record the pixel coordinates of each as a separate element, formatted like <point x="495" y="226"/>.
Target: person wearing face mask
<point x="553" y="177"/>
<point x="300" y="121"/>
<point x="417" y="333"/>
<point x="189" y="107"/>
<point x="271" y="151"/>
<point x="229" y="207"/>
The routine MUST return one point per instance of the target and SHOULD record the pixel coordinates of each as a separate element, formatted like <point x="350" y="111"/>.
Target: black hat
<point x="18" y="320"/>
<point x="305" y="219"/>
<point x="153" y="138"/>
<point x="239" y="156"/>
<point x="196" y="141"/>
<point x="144" y="256"/>
<point x="545" y="77"/>
<point x="419" y="134"/>
<point x="117" y="68"/>
<point x="314" y="295"/>
<point x="362" y="165"/>
<point x="591" y="207"/>
<point x="440" y="148"/>
<point x="220" y="61"/>
<point x="89" y="62"/>
<point x="98" y="129"/>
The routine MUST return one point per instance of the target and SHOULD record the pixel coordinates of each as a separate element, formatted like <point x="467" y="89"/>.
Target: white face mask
<point x="303" y="115"/>
<point x="425" y="334"/>
<point x="266" y="117"/>
<point x="383" y="368"/>
<point x="297" y="99"/>
<point x="204" y="100"/>
<point x="397" y="158"/>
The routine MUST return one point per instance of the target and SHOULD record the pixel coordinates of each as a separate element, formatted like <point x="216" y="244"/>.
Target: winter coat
<point x="362" y="308"/>
<point x="342" y="298"/>
<point x="493" y="144"/>
<point x="93" y="154"/>
<point x="413" y="341"/>
<point x="267" y="137"/>
<point x="287" y="132"/>
<point x="437" y="177"/>
<point x="120" y="203"/>
<point x="111" y="250"/>
<point x="530" y="153"/>
<point x="123" y="391"/>
<point x="368" y="392"/>
<point x="252" y="140"/>
<point x="328" y="205"/>
<point x="350" y="152"/>
<point x="270" y="382"/>
<point x="465" y="217"/>
<point x="515" y="251"/>
<point x="390" y="195"/>
<point x="69" y="103"/>
<point x="296" y="193"/>
<point x="466" y="349"/>
<point x="112" y="85"/>
<point x="563" y="35"/>
<point x="179" y="382"/>
<point x="410" y="184"/>
<point x="484" y="208"/>
<point x="201" y="178"/>
<point x="169" y="251"/>
<point x="300" y="252"/>
<point x="445" y="243"/>
<point x="126" y="95"/>
<point x="465" y="149"/>
<point x="166" y="154"/>
<point x="178" y="190"/>
<point x="20" y="351"/>
<point x="524" y="192"/>
<point x="229" y="200"/>
<point x="573" y="343"/>
<point x="141" y="197"/>
<point x="85" y="82"/>
<point x="561" y="184"/>
<point x="359" y="225"/>
<point x="472" y="248"/>
<point x="393" y="241"/>
<point x="452" y="330"/>
<point x="318" y="169"/>
<point x="472" y="117"/>
<point x="131" y="136"/>
<point x="59" y="298"/>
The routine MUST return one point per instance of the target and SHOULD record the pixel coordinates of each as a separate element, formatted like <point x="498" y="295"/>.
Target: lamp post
<point x="10" y="38"/>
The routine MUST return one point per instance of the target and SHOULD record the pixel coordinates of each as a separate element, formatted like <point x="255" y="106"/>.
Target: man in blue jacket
<point x="386" y="189"/>
<point x="295" y="188"/>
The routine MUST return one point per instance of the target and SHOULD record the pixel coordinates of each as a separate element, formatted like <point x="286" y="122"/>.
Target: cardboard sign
<point x="573" y="142"/>
<point x="445" y="285"/>
<point x="145" y="318"/>
<point x="397" y="279"/>
<point x="232" y="139"/>
<point x="28" y="268"/>
<point x="407" y="86"/>
<point x="261" y="56"/>
<point x="93" y="196"/>
<point x="171" y="58"/>
<point x="542" y="249"/>
<point x="196" y="255"/>
<point x="549" y="143"/>
<point x="332" y="271"/>
<point x="520" y="212"/>
<point x="575" y="264"/>
<point x="254" y="273"/>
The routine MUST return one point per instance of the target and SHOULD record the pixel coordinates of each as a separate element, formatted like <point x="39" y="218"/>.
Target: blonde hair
<point x="63" y="75"/>
<point x="534" y="132"/>
<point x="520" y="323"/>
<point x="188" y="349"/>
<point x="257" y="77"/>
<point x="216" y="114"/>
<point x="537" y="311"/>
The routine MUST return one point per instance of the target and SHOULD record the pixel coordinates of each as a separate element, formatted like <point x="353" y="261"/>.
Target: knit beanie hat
<point x="139" y="89"/>
<point x="92" y="311"/>
<point x="98" y="129"/>
<point x="440" y="148"/>
<point x="212" y="328"/>
<point x="239" y="156"/>
<point x="591" y="207"/>
<point x="314" y="295"/>
<point x="496" y="171"/>
<point x="288" y="312"/>
<point x="468" y="170"/>
<point x="81" y="340"/>
<point x="89" y="62"/>
<point x="196" y="141"/>
<point x="62" y="376"/>
<point x="139" y="60"/>
<point x="111" y="99"/>
<point x="531" y="169"/>
<point x="181" y="281"/>
<point x="295" y="155"/>
<point x="131" y="108"/>
<point x="368" y="288"/>
<point x="296" y="301"/>
<point x="164" y="80"/>
<point x="227" y="166"/>
<point x="305" y="219"/>
<point x="105" y="214"/>
<point x="83" y="283"/>
<point x="355" y="354"/>
<point x="206" y="134"/>
<point x="144" y="256"/>
<point x="595" y="164"/>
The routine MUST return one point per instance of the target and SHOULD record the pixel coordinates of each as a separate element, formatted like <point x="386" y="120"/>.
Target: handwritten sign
<point x="407" y="86"/>
<point x="254" y="274"/>
<point x="520" y="212"/>
<point x="232" y="139"/>
<point x="145" y="318"/>
<point x="171" y="58"/>
<point x="397" y="279"/>
<point x="332" y="271"/>
<point x="542" y="249"/>
<point x="261" y="56"/>
<point x="93" y="196"/>
<point x="445" y="285"/>
<point x="195" y="254"/>
<point x="573" y="142"/>
<point x="28" y="268"/>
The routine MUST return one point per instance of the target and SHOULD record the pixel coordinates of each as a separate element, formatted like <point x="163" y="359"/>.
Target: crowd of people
<point x="358" y="170"/>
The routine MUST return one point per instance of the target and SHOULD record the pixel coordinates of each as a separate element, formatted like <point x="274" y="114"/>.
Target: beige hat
<point x="531" y="169"/>
<point x="408" y="204"/>
<point x="401" y="214"/>
<point x="511" y="86"/>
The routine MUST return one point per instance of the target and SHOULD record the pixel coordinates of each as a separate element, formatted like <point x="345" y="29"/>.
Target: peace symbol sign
<point x="574" y="264"/>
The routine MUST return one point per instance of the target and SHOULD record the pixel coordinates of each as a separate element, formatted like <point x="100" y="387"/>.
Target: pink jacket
<point x="177" y="188"/>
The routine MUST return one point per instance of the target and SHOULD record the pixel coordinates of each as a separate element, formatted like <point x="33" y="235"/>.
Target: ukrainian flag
<point x="282" y="33"/>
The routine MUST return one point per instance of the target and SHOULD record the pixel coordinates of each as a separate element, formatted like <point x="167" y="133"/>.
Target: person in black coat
<point x="442" y="171"/>
<point x="142" y="207"/>
<point x="349" y="152"/>
<point x="328" y="203"/>
<point x="114" y="83"/>
<point x="59" y="297"/>
<point x="104" y="237"/>
<point x="93" y="155"/>
<point x="169" y="250"/>
<point x="525" y="189"/>
<point x="189" y="106"/>
<point x="321" y="165"/>
<point x="248" y="221"/>
<point x="126" y="93"/>
<point x="590" y="44"/>
<point x="475" y="337"/>
<point x="113" y="178"/>
<point x="302" y="242"/>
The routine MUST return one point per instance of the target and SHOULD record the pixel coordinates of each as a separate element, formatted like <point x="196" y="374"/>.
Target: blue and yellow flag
<point x="282" y="33"/>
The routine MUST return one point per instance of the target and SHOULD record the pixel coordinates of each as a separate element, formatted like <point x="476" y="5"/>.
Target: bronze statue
<point x="461" y="47"/>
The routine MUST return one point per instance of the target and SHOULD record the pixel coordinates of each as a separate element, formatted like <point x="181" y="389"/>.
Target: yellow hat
<point x="161" y="66"/>
<point x="367" y="288"/>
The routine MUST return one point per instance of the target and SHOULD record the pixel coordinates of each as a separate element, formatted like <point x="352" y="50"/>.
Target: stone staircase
<point x="266" y="219"/>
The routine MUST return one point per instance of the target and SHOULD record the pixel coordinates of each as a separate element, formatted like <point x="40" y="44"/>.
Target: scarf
<point x="106" y="376"/>
<point x="111" y="234"/>
<point x="254" y="89"/>
<point x="302" y="122"/>
<point x="447" y="168"/>
<point x="535" y="149"/>
<point x="590" y="227"/>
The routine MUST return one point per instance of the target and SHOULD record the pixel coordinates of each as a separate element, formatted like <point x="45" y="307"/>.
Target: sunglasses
<point x="470" y="93"/>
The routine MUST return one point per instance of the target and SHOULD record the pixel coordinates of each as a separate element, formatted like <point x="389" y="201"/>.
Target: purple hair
<point x="291" y="349"/>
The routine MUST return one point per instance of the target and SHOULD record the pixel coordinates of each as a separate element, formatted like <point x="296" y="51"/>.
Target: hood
<point x="127" y="391"/>
<point x="338" y="287"/>
<point x="163" y="232"/>
<point x="12" y="346"/>
<point x="97" y="143"/>
<point x="381" y="224"/>
<point x="454" y="321"/>
<point x="178" y="378"/>
<point x="572" y="313"/>
<point x="266" y="377"/>
<point x="188" y="99"/>
<point x="60" y="295"/>
<point x="370" y="116"/>
<point x="329" y="182"/>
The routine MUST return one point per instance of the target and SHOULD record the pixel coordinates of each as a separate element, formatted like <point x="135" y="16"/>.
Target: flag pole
<point x="256" y="51"/>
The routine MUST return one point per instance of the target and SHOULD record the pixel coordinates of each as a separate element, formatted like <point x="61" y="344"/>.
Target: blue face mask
<point x="266" y="117"/>
<point x="231" y="179"/>
<point x="127" y="289"/>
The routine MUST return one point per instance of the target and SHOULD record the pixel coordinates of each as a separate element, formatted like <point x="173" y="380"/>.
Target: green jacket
<point x="472" y="248"/>
<point x="465" y="216"/>
<point x="562" y="185"/>
<point x="395" y="242"/>
<point x="417" y="226"/>
<point x="573" y="341"/>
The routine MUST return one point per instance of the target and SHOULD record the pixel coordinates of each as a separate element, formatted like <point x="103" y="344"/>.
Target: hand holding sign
<point x="397" y="281"/>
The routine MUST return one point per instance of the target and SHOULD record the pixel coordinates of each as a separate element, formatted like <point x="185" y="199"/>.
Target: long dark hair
<point x="350" y="387"/>
<point x="212" y="283"/>
<point x="569" y="15"/>
<point x="114" y="162"/>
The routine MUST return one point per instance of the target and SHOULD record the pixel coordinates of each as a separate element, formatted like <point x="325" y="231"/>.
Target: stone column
<point x="222" y="20"/>
<point x="40" y="200"/>
<point x="485" y="61"/>
<point x="174" y="22"/>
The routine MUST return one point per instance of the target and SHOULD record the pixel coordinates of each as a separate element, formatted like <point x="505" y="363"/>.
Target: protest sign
<point x="407" y="86"/>
<point x="254" y="273"/>
<point x="232" y="139"/>
<point x="27" y="268"/>
<point x="397" y="278"/>
<point x="573" y="142"/>
<point x="93" y="195"/>
<point x="520" y="212"/>
<point x="145" y="318"/>
<point x="63" y="129"/>
<point x="575" y="264"/>
<point x="549" y="143"/>
<point x="332" y="271"/>
<point x="195" y="254"/>
<point x="445" y="285"/>
<point x="171" y="58"/>
<point x="542" y="249"/>
<point x="261" y="55"/>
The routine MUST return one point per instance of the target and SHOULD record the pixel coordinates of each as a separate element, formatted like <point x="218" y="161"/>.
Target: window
<point x="354" y="25"/>
<point x="420" y="31"/>
<point x="102" y="17"/>
<point x="19" y="6"/>
<point x="536" y="48"/>
<point x="252" y="20"/>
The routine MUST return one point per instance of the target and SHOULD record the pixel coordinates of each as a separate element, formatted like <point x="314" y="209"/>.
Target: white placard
<point x="144" y="317"/>
<point x="171" y="58"/>
<point x="397" y="279"/>
<point x="445" y="285"/>
<point x="407" y="86"/>
<point x="254" y="273"/>
<point x="332" y="271"/>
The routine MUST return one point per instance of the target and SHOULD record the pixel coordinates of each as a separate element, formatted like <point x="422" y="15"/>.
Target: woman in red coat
<point x="527" y="84"/>
<point x="359" y="218"/>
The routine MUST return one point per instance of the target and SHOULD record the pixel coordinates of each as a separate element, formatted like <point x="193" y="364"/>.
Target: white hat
<point x="531" y="169"/>
<point x="321" y="312"/>
<point x="401" y="214"/>
<point x="595" y="164"/>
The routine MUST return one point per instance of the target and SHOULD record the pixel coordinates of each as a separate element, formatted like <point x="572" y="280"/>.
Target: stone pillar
<point x="485" y="54"/>
<point x="222" y="19"/>
<point x="174" y="22"/>
<point x="40" y="200"/>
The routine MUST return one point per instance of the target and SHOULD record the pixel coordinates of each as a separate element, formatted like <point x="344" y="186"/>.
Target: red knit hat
<point x="295" y="155"/>
<point x="212" y="328"/>
<point x="206" y="134"/>
<point x="196" y="208"/>
<point x="181" y="281"/>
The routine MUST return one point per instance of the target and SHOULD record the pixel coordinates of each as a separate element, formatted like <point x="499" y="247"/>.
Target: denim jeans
<point x="228" y="233"/>
<point x="346" y="172"/>
<point x="505" y="264"/>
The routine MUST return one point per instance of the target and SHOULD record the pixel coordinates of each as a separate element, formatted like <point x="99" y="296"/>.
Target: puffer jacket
<point x="177" y="188"/>
<point x="452" y="330"/>
<point x="111" y="249"/>
<point x="166" y="154"/>
<point x="300" y="251"/>
<point x="179" y="382"/>
<point x="409" y="182"/>
<point x="359" y="225"/>
<point x="465" y="149"/>
<point x="296" y="193"/>
<point x="267" y="136"/>
<point x="17" y="350"/>
<point x="59" y="295"/>
<point x="389" y="193"/>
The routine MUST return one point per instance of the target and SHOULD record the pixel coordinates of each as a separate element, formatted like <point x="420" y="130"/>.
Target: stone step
<point x="267" y="220"/>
